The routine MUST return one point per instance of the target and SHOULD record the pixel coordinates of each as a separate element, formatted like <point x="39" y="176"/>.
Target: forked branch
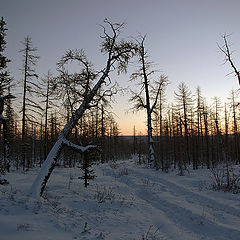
<point x="228" y="56"/>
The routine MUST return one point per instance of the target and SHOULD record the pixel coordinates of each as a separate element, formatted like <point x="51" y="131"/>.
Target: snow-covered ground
<point x="126" y="201"/>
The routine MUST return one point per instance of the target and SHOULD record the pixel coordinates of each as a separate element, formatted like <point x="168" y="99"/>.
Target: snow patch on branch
<point x="77" y="147"/>
<point x="36" y="186"/>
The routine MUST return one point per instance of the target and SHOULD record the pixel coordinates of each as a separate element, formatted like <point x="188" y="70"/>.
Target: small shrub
<point x="113" y="165"/>
<point x="225" y="179"/>
<point x="147" y="182"/>
<point x="151" y="234"/>
<point x="23" y="227"/>
<point x="202" y="185"/>
<point x="122" y="172"/>
<point x="70" y="180"/>
<point x="37" y="207"/>
<point x="3" y="181"/>
<point x="104" y="194"/>
<point x="86" y="229"/>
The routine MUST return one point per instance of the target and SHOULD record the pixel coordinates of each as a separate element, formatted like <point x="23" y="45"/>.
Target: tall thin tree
<point x="151" y="92"/>
<point x="5" y="79"/>
<point x="184" y="104"/>
<point x="29" y="61"/>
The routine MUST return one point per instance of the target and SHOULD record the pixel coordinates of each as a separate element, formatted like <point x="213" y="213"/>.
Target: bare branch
<point x="163" y="79"/>
<point x="228" y="56"/>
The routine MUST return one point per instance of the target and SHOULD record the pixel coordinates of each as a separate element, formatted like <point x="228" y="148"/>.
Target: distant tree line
<point x="196" y="133"/>
<point x="188" y="132"/>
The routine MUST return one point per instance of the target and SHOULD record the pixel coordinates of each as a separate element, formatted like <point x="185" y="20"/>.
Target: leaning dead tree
<point x="228" y="56"/>
<point x="118" y="52"/>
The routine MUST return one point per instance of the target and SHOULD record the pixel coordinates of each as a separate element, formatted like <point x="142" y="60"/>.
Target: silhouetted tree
<point x="217" y="144"/>
<point x="6" y="162"/>
<point x="163" y="82"/>
<point x="29" y="107"/>
<point x="151" y="92"/>
<point x="184" y="104"/>
<point x="48" y="95"/>
<point x="199" y="130"/>
<point x="206" y="133"/>
<point x="234" y="109"/>
<point x="5" y="79"/>
<point x="86" y="167"/>
<point x="118" y="55"/>
<point x="228" y="56"/>
<point x="9" y="113"/>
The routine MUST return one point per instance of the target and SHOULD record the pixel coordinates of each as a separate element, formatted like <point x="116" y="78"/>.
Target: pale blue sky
<point x="181" y="38"/>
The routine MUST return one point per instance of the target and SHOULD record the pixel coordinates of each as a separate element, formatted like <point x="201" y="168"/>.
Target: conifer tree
<point x="5" y="79"/>
<point x="5" y="82"/>
<point x="86" y="167"/>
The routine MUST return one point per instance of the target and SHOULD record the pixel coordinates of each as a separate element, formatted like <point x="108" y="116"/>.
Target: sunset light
<point x="119" y="119"/>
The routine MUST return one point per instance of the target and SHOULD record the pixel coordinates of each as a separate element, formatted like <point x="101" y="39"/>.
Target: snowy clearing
<point x="125" y="201"/>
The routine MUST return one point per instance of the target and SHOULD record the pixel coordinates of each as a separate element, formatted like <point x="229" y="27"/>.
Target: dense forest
<point x="187" y="133"/>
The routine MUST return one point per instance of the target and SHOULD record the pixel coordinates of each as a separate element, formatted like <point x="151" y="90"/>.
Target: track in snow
<point x="125" y="201"/>
<point x="181" y="210"/>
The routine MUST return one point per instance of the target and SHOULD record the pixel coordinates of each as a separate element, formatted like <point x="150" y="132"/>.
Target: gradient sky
<point x="181" y="39"/>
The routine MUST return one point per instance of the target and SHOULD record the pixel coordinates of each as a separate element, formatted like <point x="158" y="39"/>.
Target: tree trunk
<point x="151" y="157"/>
<point x="46" y="120"/>
<point x="40" y="182"/>
<point x="24" y="107"/>
<point x="6" y="162"/>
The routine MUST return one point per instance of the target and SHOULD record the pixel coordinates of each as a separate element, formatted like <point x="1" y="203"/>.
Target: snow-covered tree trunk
<point x="40" y="182"/>
<point x="119" y="53"/>
<point x="150" y="142"/>
<point x="151" y="91"/>
<point x="143" y="56"/>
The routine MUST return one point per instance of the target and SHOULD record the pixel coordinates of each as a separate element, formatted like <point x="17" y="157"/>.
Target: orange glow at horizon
<point x="127" y="122"/>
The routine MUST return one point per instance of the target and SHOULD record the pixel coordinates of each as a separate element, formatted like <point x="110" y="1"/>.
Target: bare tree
<point x="47" y="93"/>
<point x="163" y="82"/>
<point x="29" y="88"/>
<point x="225" y="49"/>
<point x="206" y="116"/>
<point x="150" y="90"/>
<point x="10" y="118"/>
<point x="226" y="137"/>
<point x="184" y="105"/>
<point x="216" y="112"/>
<point x="118" y="52"/>
<point x="228" y="56"/>
<point x="199" y="125"/>
<point x="234" y="107"/>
